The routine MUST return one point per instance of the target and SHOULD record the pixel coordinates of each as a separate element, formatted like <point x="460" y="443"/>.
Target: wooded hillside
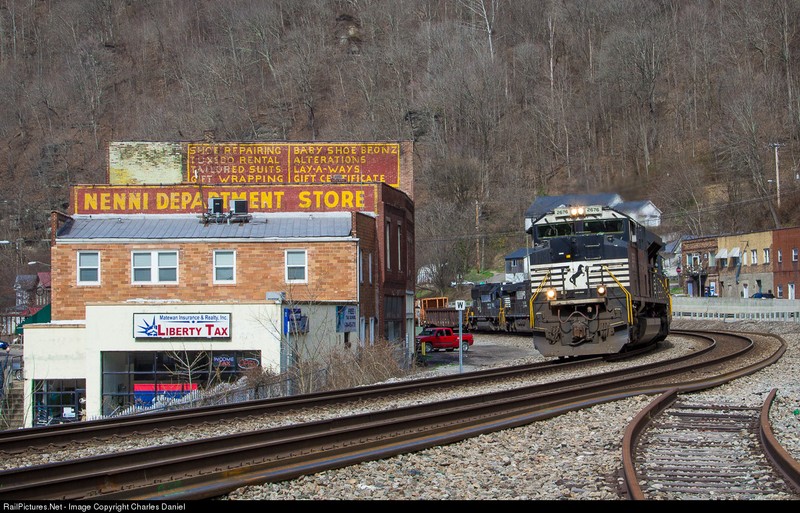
<point x="673" y="101"/>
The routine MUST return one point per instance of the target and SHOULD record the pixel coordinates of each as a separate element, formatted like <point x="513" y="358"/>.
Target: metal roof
<point x="520" y="253"/>
<point x="544" y="204"/>
<point x="264" y="226"/>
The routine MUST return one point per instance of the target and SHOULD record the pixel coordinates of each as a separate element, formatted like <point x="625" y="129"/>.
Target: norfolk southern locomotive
<point x="596" y="286"/>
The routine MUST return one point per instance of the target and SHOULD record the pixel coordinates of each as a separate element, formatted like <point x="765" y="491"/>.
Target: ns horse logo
<point x="578" y="276"/>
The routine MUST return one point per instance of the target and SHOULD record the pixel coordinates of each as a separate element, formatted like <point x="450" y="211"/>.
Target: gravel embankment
<point x="575" y="456"/>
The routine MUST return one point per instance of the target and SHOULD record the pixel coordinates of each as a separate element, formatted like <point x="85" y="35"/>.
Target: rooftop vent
<point x="239" y="206"/>
<point x="215" y="206"/>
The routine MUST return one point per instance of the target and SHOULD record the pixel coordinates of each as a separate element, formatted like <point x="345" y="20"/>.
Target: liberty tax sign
<point x="181" y="325"/>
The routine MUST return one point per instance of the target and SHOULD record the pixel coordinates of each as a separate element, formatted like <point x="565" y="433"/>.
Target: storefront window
<point x="56" y="401"/>
<point x="146" y="378"/>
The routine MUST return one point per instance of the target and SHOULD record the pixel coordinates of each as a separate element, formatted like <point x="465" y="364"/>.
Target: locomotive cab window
<point x="603" y="226"/>
<point x="553" y="230"/>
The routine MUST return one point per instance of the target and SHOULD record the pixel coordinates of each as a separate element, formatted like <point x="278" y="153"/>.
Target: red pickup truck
<point x="434" y="339"/>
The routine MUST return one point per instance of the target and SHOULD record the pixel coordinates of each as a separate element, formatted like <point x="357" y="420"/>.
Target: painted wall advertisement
<point x="346" y="319"/>
<point x="293" y="163"/>
<point x="185" y="199"/>
<point x="182" y="325"/>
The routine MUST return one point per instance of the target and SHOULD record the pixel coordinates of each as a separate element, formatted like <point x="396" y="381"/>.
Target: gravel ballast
<point x="575" y="456"/>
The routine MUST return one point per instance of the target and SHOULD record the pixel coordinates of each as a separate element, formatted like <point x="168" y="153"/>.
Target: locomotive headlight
<point x="601" y="290"/>
<point x="576" y="211"/>
<point x="550" y="294"/>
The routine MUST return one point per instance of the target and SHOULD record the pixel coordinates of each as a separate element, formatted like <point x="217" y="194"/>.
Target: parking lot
<point x="489" y="350"/>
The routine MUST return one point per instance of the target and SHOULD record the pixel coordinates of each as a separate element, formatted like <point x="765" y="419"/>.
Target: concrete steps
<point x="13" y="406"/>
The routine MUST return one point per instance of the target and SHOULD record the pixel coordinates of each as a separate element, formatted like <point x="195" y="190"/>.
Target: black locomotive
<point x="596" y="286"/>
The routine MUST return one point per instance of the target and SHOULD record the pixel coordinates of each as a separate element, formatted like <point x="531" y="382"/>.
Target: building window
<point x="766" y="255"/>
<point x="794" y="254"/>
<point x="224" y="267"/>
<point x="780" y="256"/>
<point x="360" y="266"/>
<point x="155" y="266"/>
<point x="296" y="266"/>
<point x="58" y="400"/>
<point x="753" y="256"/>
<point x="780" y="291"/>
<point x="388" y="244"/>
<point x="370" y="268"/>
<point x="399" y="247"/>
<point x="88" y="268"/>
<point x="138" y="379"/>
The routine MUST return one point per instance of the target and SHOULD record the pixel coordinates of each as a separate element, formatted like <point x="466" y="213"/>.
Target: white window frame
<point x="794" y="254"/>
<point x="399" y="247"/>
<point x="753" y="256"/>
<point x="155" y="268"/>
<point x="295" y="265"/>
<point x="87" y="267"/>
<point x="780" y="256"/>
<point x="387" y="238"/>
<point x="360" y="266"/>
<point x="766" y="255"/>
<point x="221" y="266"/>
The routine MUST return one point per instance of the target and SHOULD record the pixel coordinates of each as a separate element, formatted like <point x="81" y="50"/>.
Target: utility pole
<point x="477" y="237"/>
<point x="777" y="174"/>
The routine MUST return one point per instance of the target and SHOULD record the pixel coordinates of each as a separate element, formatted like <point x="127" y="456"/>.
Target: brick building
<point x="699" y="269"/>
<point x="160" y="288"/>
<point x="786" y="244"/>
<point x="740" y="265"/>
<point x="745" y="264"/>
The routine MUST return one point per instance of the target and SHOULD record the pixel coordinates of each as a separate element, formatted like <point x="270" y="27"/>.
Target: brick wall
<point x="260" y="267"/>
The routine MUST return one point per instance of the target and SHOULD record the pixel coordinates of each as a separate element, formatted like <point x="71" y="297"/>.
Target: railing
<point x="10" y="368"/>
<point x="225" y="393"/>
<point x="736" y="309"/>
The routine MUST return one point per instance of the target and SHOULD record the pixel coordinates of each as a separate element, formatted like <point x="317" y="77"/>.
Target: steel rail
<point x="12" y="441"/>
<point x="780" y="459"/>
<point x="15" y="441"/>
<point x="157" y="469"/>
<point x="777" y="455"/>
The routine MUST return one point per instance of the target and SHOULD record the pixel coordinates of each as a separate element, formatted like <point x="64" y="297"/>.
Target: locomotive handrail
<point x="533" y="297"/>
<point x="628" y="300"/>
<point x="665" y="284"/>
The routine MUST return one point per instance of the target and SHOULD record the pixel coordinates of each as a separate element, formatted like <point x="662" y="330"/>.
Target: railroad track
<point x="211" y="467"/>
<point x="680" y="450"/>
<point x="14" y="442"/>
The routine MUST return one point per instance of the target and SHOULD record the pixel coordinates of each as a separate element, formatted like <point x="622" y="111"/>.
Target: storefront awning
<point x="734" y="253"/>
<point x="42" y="316"/>
<point x="723" y="253"/>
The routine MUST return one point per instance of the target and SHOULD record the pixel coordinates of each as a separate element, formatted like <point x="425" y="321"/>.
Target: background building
<point x="160" y="289"/>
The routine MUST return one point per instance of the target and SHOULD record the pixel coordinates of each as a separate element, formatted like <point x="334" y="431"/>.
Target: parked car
<point x="455" y="284"/>
<point x="434" y="339"/>
<point x="763" y="295"/>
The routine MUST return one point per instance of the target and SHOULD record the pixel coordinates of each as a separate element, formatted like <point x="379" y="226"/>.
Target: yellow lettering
<point x="90" y="201"/>
<point x="162" y="200"/>
<point x="304" y="199"/>
<point x="347" y="199"/>
<point x="135" y="201"/>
